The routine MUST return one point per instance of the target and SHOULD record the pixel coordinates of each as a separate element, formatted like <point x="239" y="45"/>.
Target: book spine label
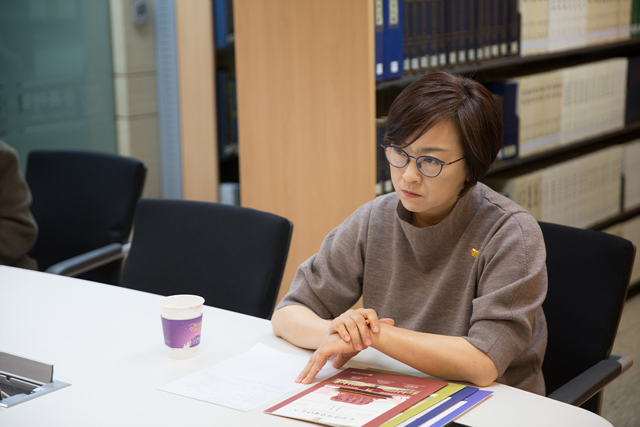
<point x="442" y="45"/>
<point x="220" y="15"/>
<point x="393" y="37"/>
<point x="433" y="11"/>
<point x="468" y="44"/>
<point x="379" y="38"/>
<point x="450" y="13"/>
<point x="422" y="34"/>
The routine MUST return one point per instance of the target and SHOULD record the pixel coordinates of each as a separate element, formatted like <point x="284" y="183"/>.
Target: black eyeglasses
<point x="427" y="165"/>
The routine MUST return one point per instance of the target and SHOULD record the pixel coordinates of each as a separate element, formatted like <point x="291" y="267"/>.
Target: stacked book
<point x="556" y="25"/>
<point x="419" y="35"/>
<point x="227" y="111"/>
<point x="536" y="102"/>
<point x="632" y="114"/>
<point x="579" y="193"/>
<point x="371" y="398"/>
<point x="546" y="110"/>
<point x="631" y="175"/>
<point x="593" y="99"/>
<point x="223" y="23"/>
<point x="413" y="36"/>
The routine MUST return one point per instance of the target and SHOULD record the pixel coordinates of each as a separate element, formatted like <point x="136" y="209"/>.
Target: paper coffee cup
<point x="181" y="324"/>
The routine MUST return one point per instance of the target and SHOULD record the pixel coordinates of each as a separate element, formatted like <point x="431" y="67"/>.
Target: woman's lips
<point x="410" y="194"/>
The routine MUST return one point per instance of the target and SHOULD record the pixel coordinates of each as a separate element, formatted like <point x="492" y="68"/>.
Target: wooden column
<point x="306" y="111"/>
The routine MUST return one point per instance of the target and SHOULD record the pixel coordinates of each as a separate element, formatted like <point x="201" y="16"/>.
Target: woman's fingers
<point x="371" y="316"/>
<point x="341" y="330"/>
<point x="343" y="358"/>
<point x="358" y="330"/>
<point x="315" y="365"/>
<point x="355" y="326"/>
<point x="367" y="321"/>
<point x="388" y="321"/>
<point x="331" y="345"/>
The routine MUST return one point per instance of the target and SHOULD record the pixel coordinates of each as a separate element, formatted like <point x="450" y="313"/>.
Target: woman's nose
<point x="411" y="172"/>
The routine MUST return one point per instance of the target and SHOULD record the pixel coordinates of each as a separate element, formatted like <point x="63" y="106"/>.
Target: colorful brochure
<point x="440" y="408"/>
<point x="357" y="398"/>
<point x="422" y="406"/>
<point x="458" y="409"/>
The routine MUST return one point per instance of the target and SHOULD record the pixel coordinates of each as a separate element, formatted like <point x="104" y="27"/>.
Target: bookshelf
<point x="566" y="152"/>
<point x="307" y="109"/>
<point x="513" y="66"/>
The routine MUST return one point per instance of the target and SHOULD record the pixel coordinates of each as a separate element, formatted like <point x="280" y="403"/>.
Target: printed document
<point x="248" y="380"/>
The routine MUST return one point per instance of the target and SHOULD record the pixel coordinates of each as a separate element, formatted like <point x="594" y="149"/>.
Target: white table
<point x="107" y="342"/>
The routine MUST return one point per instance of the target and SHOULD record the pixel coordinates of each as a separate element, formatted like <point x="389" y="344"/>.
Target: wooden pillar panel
<point x="306" y="110"/>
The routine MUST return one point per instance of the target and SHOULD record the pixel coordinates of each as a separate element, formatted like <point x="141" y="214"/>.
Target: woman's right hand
<point x="352" y="326"/>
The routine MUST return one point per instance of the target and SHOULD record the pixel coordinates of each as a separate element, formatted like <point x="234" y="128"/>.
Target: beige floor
<point x="621" y="404"/>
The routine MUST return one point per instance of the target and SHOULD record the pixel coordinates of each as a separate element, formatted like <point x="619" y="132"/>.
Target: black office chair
<point x="589" y="274"/>
<point x="82" y="202"/>
<point x="234" y="257"/>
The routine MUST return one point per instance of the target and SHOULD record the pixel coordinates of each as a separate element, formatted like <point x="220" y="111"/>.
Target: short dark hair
<point x="469" y="106"/>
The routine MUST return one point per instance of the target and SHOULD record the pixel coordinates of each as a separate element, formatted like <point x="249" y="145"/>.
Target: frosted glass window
<point x="56" y="78"/>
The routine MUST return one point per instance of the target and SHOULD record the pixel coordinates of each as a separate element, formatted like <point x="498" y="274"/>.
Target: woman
<point x="456" y="270"/>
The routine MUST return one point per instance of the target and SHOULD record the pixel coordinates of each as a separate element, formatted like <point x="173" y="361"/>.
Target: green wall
<point x="56" y="78"/>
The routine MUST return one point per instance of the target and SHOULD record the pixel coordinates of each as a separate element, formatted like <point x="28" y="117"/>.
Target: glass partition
<point x="56" y="78"/>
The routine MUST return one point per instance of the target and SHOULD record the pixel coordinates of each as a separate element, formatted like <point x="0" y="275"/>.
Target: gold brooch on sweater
<point x="474" y="253"/>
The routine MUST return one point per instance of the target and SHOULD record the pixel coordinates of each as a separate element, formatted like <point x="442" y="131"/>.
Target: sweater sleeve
<point x="18" y="229"/>
<point x="330" y="282"/>
<point x="512" y="285"/>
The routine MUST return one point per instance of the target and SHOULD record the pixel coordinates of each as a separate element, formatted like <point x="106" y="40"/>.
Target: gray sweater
<point x="428" y="280"/>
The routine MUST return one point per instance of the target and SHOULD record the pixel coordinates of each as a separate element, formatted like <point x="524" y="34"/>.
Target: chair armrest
<point x="590" y="382"/>
<point x="90" y="260"/>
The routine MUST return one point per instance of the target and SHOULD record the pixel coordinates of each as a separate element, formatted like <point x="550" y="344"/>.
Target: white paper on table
<point x="248" y="380"/>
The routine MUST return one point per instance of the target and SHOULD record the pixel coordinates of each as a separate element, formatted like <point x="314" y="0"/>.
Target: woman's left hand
<point x="331" y="345"/>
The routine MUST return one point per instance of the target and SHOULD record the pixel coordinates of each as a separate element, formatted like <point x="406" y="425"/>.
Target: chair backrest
<point x="82" y="201"/>
<point x="589" y="273"/>
<point x="233" y="257"/>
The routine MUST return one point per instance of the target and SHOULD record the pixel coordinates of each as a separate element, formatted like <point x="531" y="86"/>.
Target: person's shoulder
<point x="386" y="201"/>
<point x="508" y="213"/>
<point x="6" y="149"/>
<point x="376" y="209"/>
<point x="384" y="206"/>
<point x="494" y="199"/>
<point x="8" y="158"/>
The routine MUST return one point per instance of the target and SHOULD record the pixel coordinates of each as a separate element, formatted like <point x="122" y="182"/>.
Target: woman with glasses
<point x="452" y="274"/>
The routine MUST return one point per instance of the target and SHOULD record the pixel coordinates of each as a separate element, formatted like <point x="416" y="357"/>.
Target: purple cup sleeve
<point x="182" y="333"/>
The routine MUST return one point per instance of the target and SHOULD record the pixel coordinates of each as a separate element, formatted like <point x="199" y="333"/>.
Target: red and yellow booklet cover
<point x="357" y="398"/>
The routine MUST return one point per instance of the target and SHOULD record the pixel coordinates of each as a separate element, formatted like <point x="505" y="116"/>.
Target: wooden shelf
<point x="562" y="153"/>
<point x="624" y="216"/>
<point x="513" y="66"/>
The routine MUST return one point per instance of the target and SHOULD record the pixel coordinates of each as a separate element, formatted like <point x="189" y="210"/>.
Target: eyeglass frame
<point x="409" y="157"/>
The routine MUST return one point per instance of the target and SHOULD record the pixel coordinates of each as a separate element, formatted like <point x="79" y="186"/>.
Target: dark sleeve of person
<point x="18" y="229"/>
